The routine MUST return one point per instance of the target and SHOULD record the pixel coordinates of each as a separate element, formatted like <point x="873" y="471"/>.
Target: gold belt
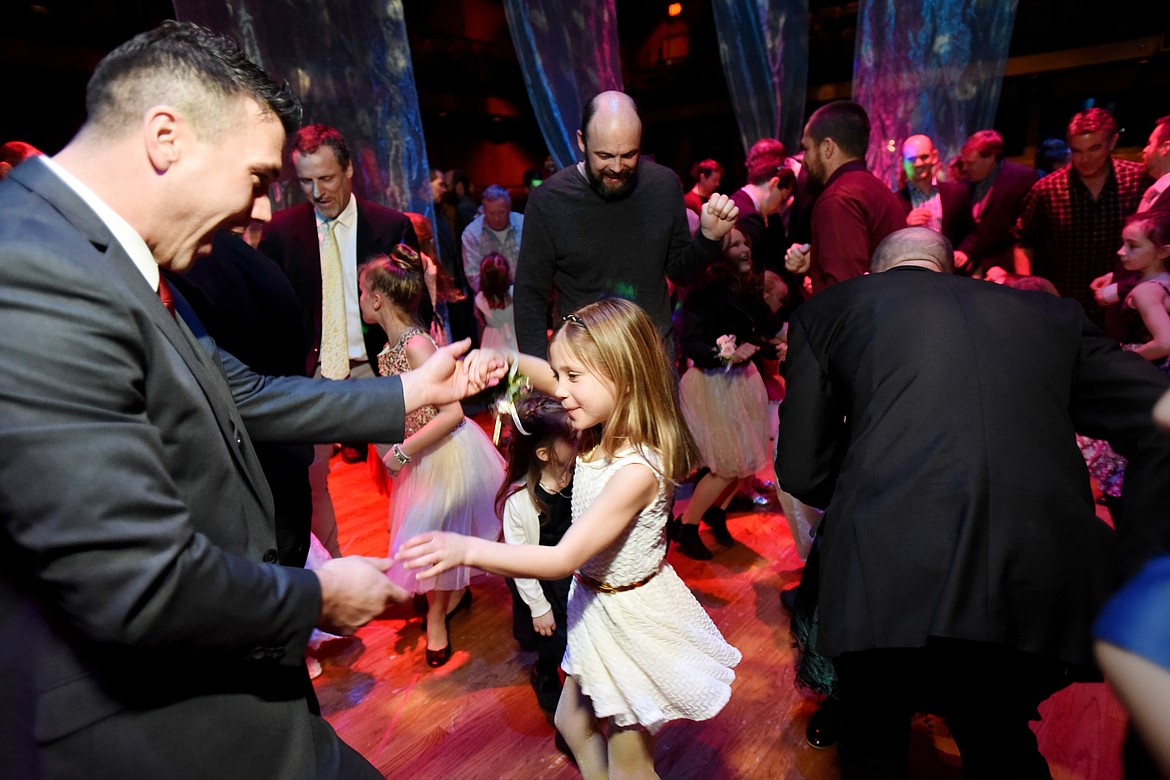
<point x="601" y="587"/>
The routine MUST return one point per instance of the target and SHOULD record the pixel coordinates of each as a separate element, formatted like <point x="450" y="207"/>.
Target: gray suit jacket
<point x="146" y="630"/>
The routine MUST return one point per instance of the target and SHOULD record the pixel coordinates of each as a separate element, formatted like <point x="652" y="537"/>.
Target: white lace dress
<point x="650" y="654"/>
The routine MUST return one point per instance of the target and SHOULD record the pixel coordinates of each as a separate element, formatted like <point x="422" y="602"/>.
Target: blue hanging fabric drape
<point x="764" y="48"/>
<point x="929" y="66"/>
<point x="349" y="63"/>
<point x="568" y="52"/>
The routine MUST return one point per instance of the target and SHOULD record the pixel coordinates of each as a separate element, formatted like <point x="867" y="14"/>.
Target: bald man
<point x="610" y="226"/>
<point x="961" y="557"/>
<point x="942" y="206"/>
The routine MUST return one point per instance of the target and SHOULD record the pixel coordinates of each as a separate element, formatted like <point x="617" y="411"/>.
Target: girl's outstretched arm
<point x="538" y="371"/>
<point x="626" y="494"/>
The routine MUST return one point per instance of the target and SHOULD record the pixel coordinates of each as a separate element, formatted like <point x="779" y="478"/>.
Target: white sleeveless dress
<point x="650" y="654"/>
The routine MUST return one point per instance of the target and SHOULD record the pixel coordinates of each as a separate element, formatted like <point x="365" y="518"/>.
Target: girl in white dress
<point x="642" y="651"/>
<point x="446" y="471"/>
<point x="493" y="303"/>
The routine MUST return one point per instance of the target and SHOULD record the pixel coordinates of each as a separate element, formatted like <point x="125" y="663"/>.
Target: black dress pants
<point x="986" y="693"/>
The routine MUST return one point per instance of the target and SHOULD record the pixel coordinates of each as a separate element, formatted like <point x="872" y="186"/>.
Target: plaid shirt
<point x="1073" y="238"/>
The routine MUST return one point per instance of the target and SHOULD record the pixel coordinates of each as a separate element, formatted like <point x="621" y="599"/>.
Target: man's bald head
<point x="610" y="112"/>
<point x="914" y="246"/>
<point x="611" y="138"/>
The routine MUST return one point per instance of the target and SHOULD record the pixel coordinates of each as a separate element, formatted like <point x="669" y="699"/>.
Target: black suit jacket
<point x="957" y="222"/>
<point x="248" y="306"/>
<point x="992" y="243"/>
<point x="290" y="239"/>
<point x="933" y="417"/>
<point x="147" y="630"/>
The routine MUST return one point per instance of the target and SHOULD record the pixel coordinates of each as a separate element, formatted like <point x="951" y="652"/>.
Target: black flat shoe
<point x="716" y="520"/>
<point x="823" y="726"/>
<point x="691" y="545"/>
<point x="788" y="599"/>
<point x="673" y="524"/>
<point x="436" y="658"/>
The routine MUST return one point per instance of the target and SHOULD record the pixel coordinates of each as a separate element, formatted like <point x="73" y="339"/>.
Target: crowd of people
<point x="180" y="364"/>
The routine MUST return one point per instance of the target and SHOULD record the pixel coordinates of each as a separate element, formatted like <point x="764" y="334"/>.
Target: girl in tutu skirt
<point x="493" y="303"/>
<point x="641" y="649"/>
<point x="724" y="401"/>
<point x="446" y="471"/>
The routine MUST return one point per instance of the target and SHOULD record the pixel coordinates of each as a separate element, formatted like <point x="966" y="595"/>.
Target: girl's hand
<point x="433" y="553"/>
<point x="744" y="352"/>
<point x="545" y="624"/>
<point x="392" y="465"/>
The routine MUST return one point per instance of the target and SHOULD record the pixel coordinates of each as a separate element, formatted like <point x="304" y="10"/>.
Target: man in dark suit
<point x="998" y="189"/>
<point x="962" y="560"/>
<point x="942" y="206"/>
<point x="319" y="245"/>
<point x="248" y="306"/>
<point x="148" y="630"/>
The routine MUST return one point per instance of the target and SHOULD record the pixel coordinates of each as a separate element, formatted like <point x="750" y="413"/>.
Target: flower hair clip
<point x="515" y="384"/>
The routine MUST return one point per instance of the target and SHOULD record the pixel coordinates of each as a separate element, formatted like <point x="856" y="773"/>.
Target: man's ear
<point x="163" y="132"/>
<point x="581" y="142"/>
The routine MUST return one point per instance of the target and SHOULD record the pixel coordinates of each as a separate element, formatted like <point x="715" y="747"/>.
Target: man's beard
<point x="609" y="190"/>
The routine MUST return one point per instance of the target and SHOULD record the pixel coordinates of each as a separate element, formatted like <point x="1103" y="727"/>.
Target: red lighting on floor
<point x="674" y="9"/>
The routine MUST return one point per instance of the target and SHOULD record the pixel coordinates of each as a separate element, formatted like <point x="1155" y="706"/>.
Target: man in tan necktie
<point x="319" y="245"/>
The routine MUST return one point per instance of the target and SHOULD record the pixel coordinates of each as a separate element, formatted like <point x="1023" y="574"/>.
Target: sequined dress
<point x="650" y="654"/>
<point x="449" y="487"/>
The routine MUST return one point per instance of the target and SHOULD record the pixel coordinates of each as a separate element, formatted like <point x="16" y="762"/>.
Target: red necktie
<point x="164" y="294"/>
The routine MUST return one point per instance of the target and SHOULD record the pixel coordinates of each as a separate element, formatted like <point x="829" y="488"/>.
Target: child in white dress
<point x="493" y="303"/>
<point x="446" y="470"/>
<point x="642" y="651"/>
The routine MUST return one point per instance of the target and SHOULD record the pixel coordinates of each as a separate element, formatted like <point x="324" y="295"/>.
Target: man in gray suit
<point x="147" y="630"/>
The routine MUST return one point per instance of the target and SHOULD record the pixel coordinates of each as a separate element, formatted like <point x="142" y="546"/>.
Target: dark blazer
<point x="248" y="306"/>
<point x="933" y="417"/>
<point x="290" y="239"/>
<point x="147" y="630"/>
<point x="993" y="243"/>
<point x="957" y="222"/>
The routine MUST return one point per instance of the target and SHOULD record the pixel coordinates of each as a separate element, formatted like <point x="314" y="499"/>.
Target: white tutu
<point x="449" y="487"/>
<point x="727" y="413"/>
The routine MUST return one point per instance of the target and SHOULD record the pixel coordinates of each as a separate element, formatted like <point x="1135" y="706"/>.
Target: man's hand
<point x="918" y="217"/>
<point x="798" y="258"/>
<point x="354" y="591"/>
<point x="443" y="379"/>
<point x="717" y="217"/>
<point x="960" y="259"/>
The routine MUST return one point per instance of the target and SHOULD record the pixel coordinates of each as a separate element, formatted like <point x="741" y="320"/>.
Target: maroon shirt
<point x="854" y="213"/>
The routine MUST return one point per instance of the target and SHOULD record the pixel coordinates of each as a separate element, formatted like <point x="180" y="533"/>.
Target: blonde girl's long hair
<point x="616" y="338"/>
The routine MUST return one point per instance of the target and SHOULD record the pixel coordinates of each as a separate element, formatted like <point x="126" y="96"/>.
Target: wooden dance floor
<point x="477" y="716"/>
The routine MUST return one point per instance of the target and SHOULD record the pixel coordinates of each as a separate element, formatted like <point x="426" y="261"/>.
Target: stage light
<point x="674" y="9"/>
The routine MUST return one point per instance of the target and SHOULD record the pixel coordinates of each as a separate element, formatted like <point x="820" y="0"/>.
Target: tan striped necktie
<point x="334" y="341"/>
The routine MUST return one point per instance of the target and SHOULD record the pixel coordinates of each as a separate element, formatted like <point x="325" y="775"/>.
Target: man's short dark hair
<point x="310" y="138"/>
<point x="764" y="160"/>
<point x="845" y="122"/>
<point x="985" y="143"/>
<point x="1162" y="130"/>
<point x="182" y="64"/>
<point x="1092" y="120"/>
